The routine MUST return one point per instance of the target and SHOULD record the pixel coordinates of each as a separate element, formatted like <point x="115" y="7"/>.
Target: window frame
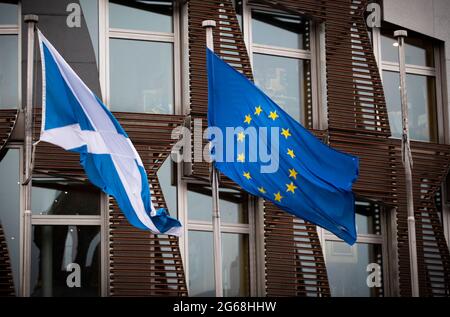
<point x="206" y="226"/>
<point x="387" y="222"/>
<point x="437" y="72"/>
<point x="107" y="33"/>
<point x="313" y="55"/>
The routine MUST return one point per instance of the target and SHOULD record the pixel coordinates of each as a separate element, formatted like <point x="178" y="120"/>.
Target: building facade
<point x="332" y="65"/>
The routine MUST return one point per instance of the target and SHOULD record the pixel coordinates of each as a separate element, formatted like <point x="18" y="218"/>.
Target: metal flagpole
<point x="407" y="162"/>
<point x="209" y="25"/>
<point x="31" y="21"/>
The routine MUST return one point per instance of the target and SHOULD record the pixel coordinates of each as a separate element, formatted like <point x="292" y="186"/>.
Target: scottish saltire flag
<point x="76" y="120"/>
<point x="304" y="177"/>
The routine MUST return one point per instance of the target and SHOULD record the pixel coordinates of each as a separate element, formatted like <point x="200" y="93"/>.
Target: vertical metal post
<point x="209" y="25"/>
<point x="407" y="162"/>
<point x="31" y="21"/>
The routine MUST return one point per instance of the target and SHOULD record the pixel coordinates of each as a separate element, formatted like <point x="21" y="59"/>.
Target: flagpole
<point x="209" y="25"/>
<point x="407" y="162"/>
<point x="31" y="20"/>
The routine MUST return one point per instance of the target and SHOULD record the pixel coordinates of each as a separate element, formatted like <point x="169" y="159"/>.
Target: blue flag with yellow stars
<point x="269" y="154"/>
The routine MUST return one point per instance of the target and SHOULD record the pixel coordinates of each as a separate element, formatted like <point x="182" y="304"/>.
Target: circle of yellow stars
<point x="286" y="133"/>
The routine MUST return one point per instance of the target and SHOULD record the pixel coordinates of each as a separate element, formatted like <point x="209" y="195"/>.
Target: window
<point x="167" y="177"/>
<point x="66" y="236"/>
<point x="9" y="55"/>
<point x="420" y="82"/>
<point x="141" y="56"/>
<point x="235" y="237"/>
<point x="349" y="267"/>
<point x="91" y="17"/>
<point x="10" y="208"/>
<point x="282" y="61"/>
<point x="59" y="250"/>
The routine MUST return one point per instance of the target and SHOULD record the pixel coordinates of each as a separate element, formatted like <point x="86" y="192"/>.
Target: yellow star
<point x="248" y="119"/>
<point x="247" y="175"/>
<point x="241" y="136"/>
<point x="262" y="190"/>
<point x="291" y="187"/>
<point x="278" y="197"/>
<point x="273" y="115"/>
<point x="293" y="173"/>
<point x="241" y="157"/>
<point x="285" y="132"/>
<point x="291" y="153"/>
<point x="258" y="110"/>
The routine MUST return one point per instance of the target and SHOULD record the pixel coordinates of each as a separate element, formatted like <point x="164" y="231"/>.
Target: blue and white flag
<point x="76" y="120"/>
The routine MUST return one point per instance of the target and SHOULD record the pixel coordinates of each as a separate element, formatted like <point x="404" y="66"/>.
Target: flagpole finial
<point x="401" y="33"/>
<point x="209" y="23"/>
<point x="31" y="18"/>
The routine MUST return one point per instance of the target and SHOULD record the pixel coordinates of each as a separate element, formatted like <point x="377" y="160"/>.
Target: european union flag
<point x="270" y="155"/>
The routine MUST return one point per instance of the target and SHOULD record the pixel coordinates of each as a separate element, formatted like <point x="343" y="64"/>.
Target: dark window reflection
<point x="347" y="268"/>
<point x="90" y="14"/>
<point x="419" y="50"/>
<point x="280" y="30"/>
<point x="8" y="12"/>
<point x="286" y="80"/>
<point x="9" y="71"/>
<point x="141" y="76"/>
<point x="232" y="204"/>
<point x="10" y="209"/>
<point x="56" y="247"/>
<point x="153" y="16"/>
<point x="167" y="180"/>
<point x="235" y="267"/>
<point x="421" y="91"/>
<point x="64" y="198"/>
<point x="201" y="264"/>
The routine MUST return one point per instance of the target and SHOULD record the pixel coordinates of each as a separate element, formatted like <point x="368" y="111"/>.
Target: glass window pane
<point x="286" y="81"/>
<point x="9" y="71"/>
<point x="367" y="218"/>
<point x="90" y="13"/>
<point x="201" y="264"/>
<point x="56" y="247"/>
<point x="63" y="198"/>
<point x="418" y="51"/>
<point x="232" y="204"/>
<point x="280" y="30"/>
<point x="347" y="268"/>
<point x="8" y="13"/>
<point x="389" y="50"/>
<point x="421" y="92"/>
<point x="169" y="189"/>
<point x="10" y="208"/>
<point x="141" y="15"/>
<point x="141" y="76"/>
<point x="235" y="268"/>
<point x="199" y="202"/>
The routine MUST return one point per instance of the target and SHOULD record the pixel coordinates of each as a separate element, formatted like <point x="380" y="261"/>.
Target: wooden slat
<point x="6" y="278"/>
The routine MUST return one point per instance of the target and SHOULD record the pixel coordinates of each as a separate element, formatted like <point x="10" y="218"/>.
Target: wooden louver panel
<point x="8" y="118"/>
<point x="6" y="278"/>
<point x="144" y="264"/>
